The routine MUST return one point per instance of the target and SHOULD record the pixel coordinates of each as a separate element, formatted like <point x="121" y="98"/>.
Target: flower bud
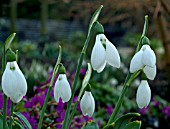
<point x="14" y="84"/>
<point x="62" y="89"/>
<point x="143" y="95"/>
<point x="87" y="104"/>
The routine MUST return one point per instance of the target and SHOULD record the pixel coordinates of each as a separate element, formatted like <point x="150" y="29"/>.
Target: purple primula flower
<point x="59" y="126"/>
<point x="87" y="118"/>
<point x="1" y="100"/>
<point x="109" y="110"/>
<point x="166" y="111"/>
<point x="31" y="120"/>
<point x="143" y="111"/>
<point x="82" y="71"/>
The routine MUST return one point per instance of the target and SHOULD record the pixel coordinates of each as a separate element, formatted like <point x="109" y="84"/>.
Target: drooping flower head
<point x="144" y="59"/>
<point x="14" y="84"/>
<point x="62" y="88"/>
<point x="104" y="52"/>
<point x="143" y="95"/>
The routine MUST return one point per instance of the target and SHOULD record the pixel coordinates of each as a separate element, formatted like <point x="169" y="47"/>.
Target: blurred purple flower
<point x="1" y="100"/>
<point x="82" y="71"/>
<point x="31" y="119"/>
<point x="144" y="110"/>
<point x="109" y="110"/>
<point x="166" y="111"/>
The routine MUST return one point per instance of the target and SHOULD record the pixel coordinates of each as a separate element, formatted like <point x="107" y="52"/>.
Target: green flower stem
<point x="75" y="82"/>
<point x="55" y="71"/>
<point x="130" y="77"/>
<point x="4" y="97"/>
<point x="11" y="115"/>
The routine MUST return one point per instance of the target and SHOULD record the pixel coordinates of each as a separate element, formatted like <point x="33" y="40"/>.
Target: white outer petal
<point x="87" y="104"/>
<point x="14" y="84"/>
<point x="112" y="55"/>
<point x="143" y="95"/>
<point x="101" y="68"/>
<point x="98" y="56"/>
<point x="62" y="89"/>
<point x="149" y="57"/>
<point x="150" y="72"/>
<point x="136" y="62"/>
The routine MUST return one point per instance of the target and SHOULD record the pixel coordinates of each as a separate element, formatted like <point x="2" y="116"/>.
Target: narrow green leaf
<point x="23" y="119"/>
<point x="91" y="125"/>
<point x="9" y="41"/>
<point x="94" y="18"/>
<point x="121" y="122"/>
<point x="17" y="125"/>
<point x="1" y="122"/>
<point x="133" y="125"/>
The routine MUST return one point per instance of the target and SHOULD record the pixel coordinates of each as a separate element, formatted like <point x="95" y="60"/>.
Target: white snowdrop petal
<point x="65" y="91"/>
<point x="143" y="95"/>
<point x="136" y="62"/>
<point x="14" y="84"/>
<point x="150" y="72"/>
<point x="56" y="91"/>
<point x="101" y="68"/>
<point x="149" y="57"/>
<point x="87" y="104"/>
<point x="98" y="55"/>
<point x="112" y="55"/>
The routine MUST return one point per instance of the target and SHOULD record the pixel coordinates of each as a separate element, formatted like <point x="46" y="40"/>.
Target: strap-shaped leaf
<point x="94" y="18"/>
<point x="18" y="125"/>
<point x="1" y="122"/>
<point x="25" y="122"/>
<point x="91" y="125"/>
<point x="121" y="122"/>
<point x="9" y="41"/>
<point x="133" y="125"/>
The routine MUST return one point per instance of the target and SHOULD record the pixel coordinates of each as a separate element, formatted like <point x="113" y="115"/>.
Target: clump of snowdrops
<point x="104" y="52"/>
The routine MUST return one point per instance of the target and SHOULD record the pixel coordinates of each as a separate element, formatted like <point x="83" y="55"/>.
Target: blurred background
<point x="41" y="25"/>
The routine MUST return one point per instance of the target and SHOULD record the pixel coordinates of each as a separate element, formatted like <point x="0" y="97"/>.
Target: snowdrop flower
<point x="14" y="84"/>
<point x="143" y="95"/>
<point x="62" y="89"/>
<point x="146" y="59"/>
<point x="104" y="52"/>
<point x="87" y="104"/>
